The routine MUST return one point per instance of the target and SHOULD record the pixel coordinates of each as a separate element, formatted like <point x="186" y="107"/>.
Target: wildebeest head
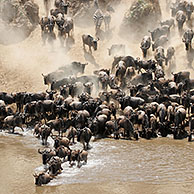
<point x="45" y="155"/>
<point x="42" y="178"/>
<point x="38" y="179"/>
<point x="95" y="43"/>
<point x="51" y="94"/>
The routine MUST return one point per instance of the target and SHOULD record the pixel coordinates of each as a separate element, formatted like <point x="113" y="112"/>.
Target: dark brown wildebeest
<point x="90" y="41"/>
<point x="42" y="178"/>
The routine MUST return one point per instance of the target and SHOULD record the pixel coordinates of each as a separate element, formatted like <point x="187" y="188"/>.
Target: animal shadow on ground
<point x="90" y="58"/>
<point x="102" y="35"/>
<point x="70" y="41"/>
<point x="190" y="58"/>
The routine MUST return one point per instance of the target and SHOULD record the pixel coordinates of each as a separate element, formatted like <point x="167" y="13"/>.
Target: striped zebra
<point x="98" y="18"/>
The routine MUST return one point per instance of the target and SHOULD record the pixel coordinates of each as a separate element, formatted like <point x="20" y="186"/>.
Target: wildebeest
<point x="187" y="39"/>
<point x="55" y="165"/>
<point x="60" y="141"/>
<point x="134" y="102"/>
<point x="90" y="41"/>
<point x="45" y="106"/>
<point x="45" y="133"/>
<point x="170" y="54"/>
<point x="56" y="124"/>
<point x="180" y="18"/>
<point x="62" y="5"/>
<point x="189" y="9"/>
<point x="46" y="153"/>
<point x="13" y="121"/>
<point x="63" y="72"/>
<point x="88" y="87"/>
<point x="120" y="70"/>
<point x="129" y="61"/>
<point x="181" y="76"/>
<point x="159" y="55"/>
<point x="146" y="64"/>
<point x="47" y="26"/>
<point x="143" y="78"/>
<point x="56" y="12"/>
<point x="177" y="6"/>
<point x="161" y="41"/>
<point x="74" y="68"/>
<point x="42" y="178"/>
<point x="169" y="22"/>
<point x="83" y="136"/>
<point x="83" y="156"/>
<point x="125" y="123"/>
<point x="156" y="33"/>
<point x="68" y="26"/>
<point x="145" y="45"/>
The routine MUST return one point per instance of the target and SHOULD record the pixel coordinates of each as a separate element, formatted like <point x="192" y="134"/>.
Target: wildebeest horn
<point x="40" y="151"/>
<point x="48" y="91"/>
<point x="35" y="175"/>
<point x="43" y="75"/>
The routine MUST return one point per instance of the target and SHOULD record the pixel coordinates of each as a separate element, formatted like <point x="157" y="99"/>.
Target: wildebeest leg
<point x="42" y="141"/>
<point x="87" y="145"/>
<point x="84" y="146"/>
<point x="190" y="137"/>
<point x="116" y="134"/>
<point x="22" y="128"/>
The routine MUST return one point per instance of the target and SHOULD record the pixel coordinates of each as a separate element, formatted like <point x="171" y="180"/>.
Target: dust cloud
<point x="22" y="64"/>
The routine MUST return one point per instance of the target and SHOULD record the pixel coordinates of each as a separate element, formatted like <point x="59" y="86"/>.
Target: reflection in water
<point x="158" y="161"/>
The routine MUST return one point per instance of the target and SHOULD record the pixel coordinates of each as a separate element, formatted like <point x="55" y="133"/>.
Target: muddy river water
<point x="161" y="165"/>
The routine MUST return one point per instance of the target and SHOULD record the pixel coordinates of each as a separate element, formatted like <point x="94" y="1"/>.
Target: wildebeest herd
<point x="131" y="100"/>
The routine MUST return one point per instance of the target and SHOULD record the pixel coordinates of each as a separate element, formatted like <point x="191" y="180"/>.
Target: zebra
<point x="98" y="18"/>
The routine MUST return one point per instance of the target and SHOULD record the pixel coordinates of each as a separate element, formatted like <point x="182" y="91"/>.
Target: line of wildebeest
<point x="132" y="100"/>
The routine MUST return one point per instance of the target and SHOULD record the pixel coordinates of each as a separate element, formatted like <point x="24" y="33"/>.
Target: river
<point x="161" y="165"/>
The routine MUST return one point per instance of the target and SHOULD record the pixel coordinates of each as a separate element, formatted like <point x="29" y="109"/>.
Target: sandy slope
<point x="22" y="63"/>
